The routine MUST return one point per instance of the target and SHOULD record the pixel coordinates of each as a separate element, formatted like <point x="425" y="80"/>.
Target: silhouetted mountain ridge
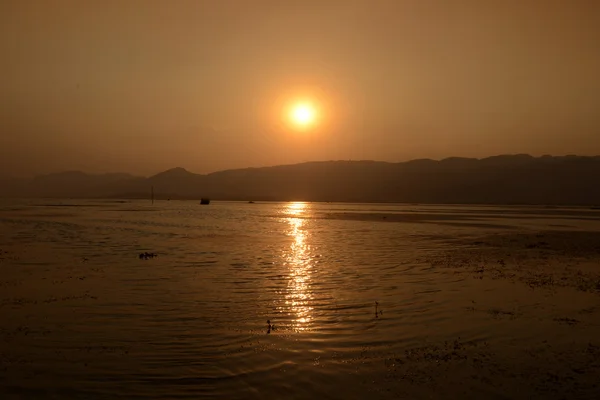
<point x="503" y="179"/>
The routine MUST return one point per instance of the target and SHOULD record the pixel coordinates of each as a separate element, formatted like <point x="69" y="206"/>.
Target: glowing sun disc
<point x="303" y="114"/>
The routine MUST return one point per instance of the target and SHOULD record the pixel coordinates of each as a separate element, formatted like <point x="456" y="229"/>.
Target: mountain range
<point x="504" y="179"/>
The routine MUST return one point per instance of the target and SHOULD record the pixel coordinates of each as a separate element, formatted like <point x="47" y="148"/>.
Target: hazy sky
<point x="142" y="86"/>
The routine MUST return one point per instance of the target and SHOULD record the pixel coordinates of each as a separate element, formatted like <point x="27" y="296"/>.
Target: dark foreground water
<point x="82" y="316"/>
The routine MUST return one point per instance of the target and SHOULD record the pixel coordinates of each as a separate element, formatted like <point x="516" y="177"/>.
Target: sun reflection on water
<point x="298" y="259"/>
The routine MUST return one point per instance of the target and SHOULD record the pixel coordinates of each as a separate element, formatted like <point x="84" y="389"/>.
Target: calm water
<point x="84" y="317"/>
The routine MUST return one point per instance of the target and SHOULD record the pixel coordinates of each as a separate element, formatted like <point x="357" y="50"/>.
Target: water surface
<point x="84" y="317"/>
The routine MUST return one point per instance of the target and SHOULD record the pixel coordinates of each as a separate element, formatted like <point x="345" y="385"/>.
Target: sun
<point x="301" y="110"/>
<point x="302" y="115"/>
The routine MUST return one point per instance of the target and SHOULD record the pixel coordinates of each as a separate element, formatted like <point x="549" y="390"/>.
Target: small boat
<point x="250" y="202"/>
<point x="204" y="201"/>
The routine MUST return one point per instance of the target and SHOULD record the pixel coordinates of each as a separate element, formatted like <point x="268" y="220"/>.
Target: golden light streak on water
<point x="298" y="260"/>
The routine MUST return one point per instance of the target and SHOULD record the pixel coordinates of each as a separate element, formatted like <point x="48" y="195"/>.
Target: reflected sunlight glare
<point x="298" y="259"/>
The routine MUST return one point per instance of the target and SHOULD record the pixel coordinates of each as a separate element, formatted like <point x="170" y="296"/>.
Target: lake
<point x="364" y="300"/>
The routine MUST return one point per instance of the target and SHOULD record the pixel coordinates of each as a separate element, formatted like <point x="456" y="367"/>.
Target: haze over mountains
<point x="505" y="179"/>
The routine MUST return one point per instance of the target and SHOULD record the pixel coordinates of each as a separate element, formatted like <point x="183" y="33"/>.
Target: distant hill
<point x="504" y="179"/>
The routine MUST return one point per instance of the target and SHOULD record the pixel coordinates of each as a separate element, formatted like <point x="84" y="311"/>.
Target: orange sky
<point x="142" y="86"/>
